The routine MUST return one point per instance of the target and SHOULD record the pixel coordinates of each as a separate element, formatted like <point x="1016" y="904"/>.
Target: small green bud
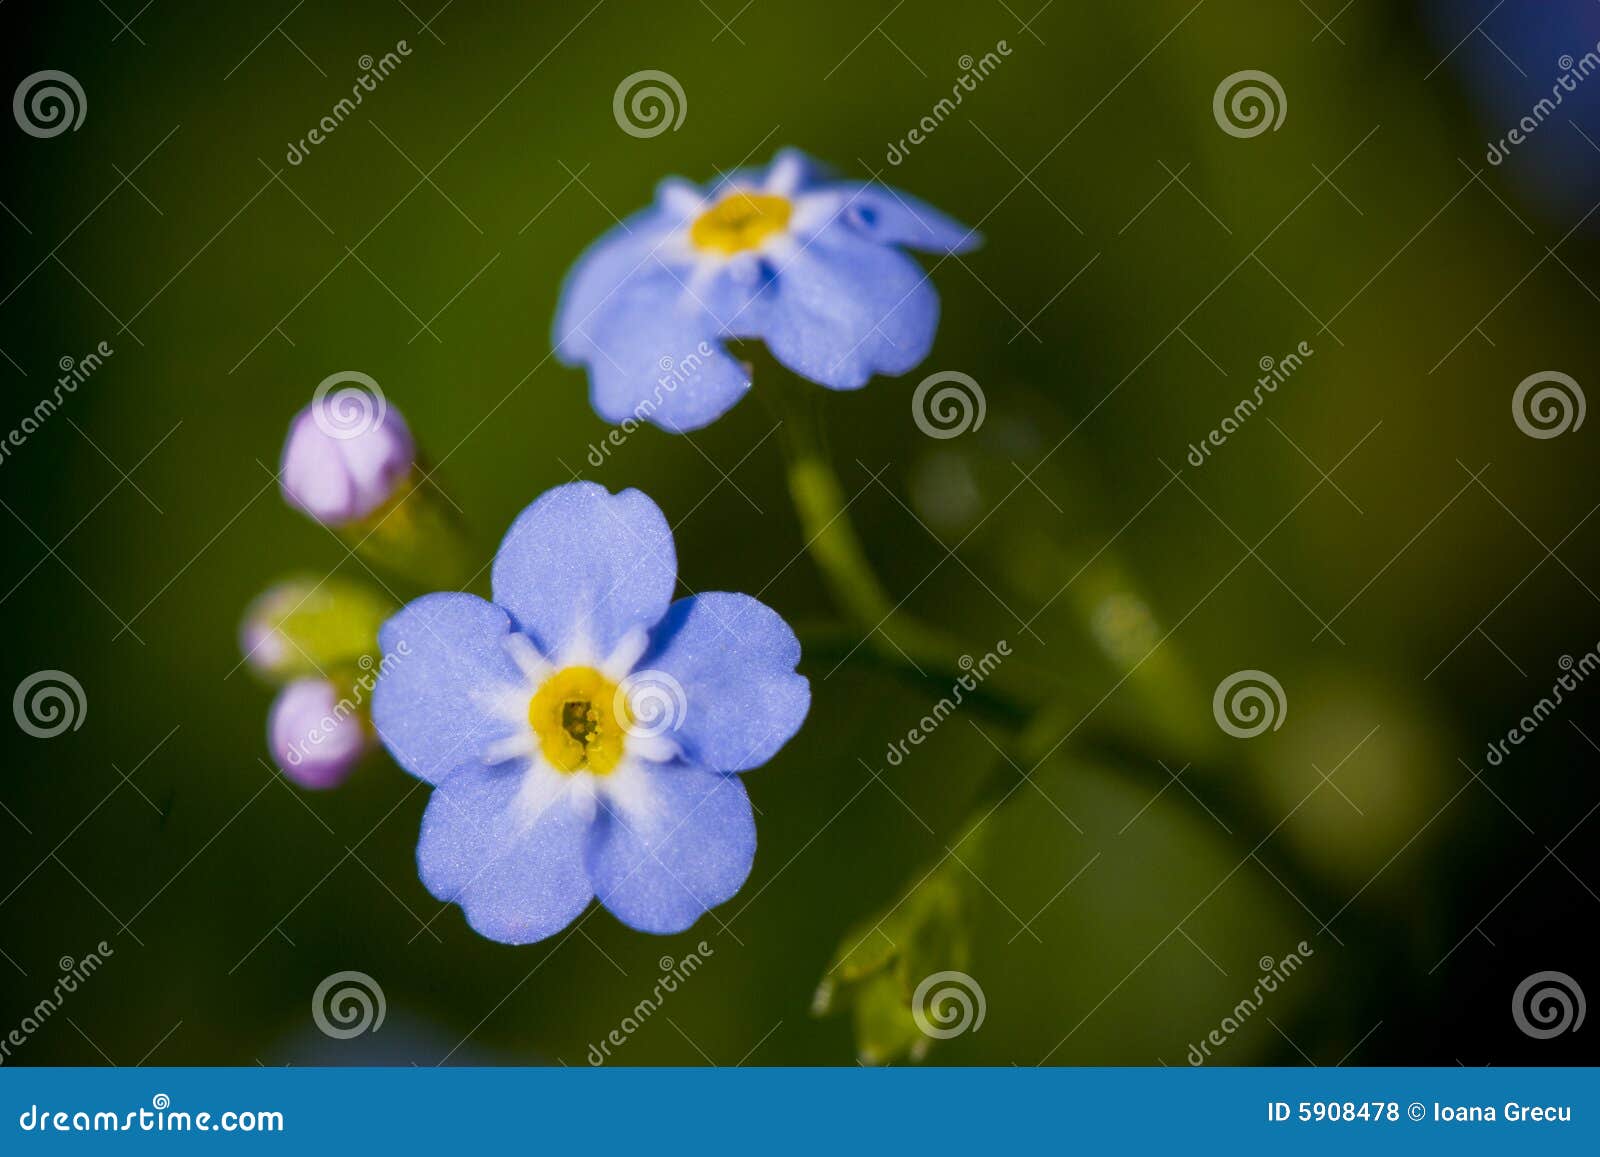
<point x="306" y="626"/>
<point x="886" y="958"/>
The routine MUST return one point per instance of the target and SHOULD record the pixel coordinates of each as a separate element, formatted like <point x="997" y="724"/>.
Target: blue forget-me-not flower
<point x="583" y="732"/>
<point x="811" y="266"/>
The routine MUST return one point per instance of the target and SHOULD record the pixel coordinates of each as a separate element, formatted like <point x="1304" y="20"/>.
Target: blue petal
<point x="444" y="663"/>
<point x="511" y="857"/>
<point x="843" y="309"/>
<point x="582" y="567"/>
<point x="670" y="842"/>
<point x="657" y="356"/>
<point x="616" y="257"/>
<point x="789" y="173"/>
<point x="892" y="217"/>
<point x="734" y="658"/>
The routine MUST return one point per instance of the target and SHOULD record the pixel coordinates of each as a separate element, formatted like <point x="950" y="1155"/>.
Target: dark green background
<point x="228" y="895"/>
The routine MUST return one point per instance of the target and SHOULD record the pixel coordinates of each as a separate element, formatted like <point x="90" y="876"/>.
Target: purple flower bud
<point x="347" y="453"/>
<point x="263" y="646"/>
<point x="315" y="737"/>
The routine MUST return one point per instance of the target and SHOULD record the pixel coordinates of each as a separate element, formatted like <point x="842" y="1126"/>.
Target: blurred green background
<point x="1139" y="262"/>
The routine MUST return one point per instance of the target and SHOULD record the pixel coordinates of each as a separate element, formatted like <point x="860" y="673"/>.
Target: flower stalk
<point x="894" y="635"/>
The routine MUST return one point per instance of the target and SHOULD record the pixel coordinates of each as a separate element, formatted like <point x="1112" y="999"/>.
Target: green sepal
<point x="417" y="536"/>
<point x="305" y="625"/>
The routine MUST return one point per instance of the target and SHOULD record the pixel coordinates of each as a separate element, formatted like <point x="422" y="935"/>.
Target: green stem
<point x="893" y="634"/>
<point x="1045" y="709"/>
<point x="830" y="536"/>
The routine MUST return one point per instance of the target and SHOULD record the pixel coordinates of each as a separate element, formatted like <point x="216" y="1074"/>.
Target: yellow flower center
<point x="740" y="221"/>
<point x="581" y="722"/>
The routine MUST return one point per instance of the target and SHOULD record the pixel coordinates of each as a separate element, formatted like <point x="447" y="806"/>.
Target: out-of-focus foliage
<point x="1126" y="293"/>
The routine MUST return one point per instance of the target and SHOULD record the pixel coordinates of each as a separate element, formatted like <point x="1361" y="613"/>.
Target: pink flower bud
<point x="347" y="454"/>
<point x="315" y="737"/>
